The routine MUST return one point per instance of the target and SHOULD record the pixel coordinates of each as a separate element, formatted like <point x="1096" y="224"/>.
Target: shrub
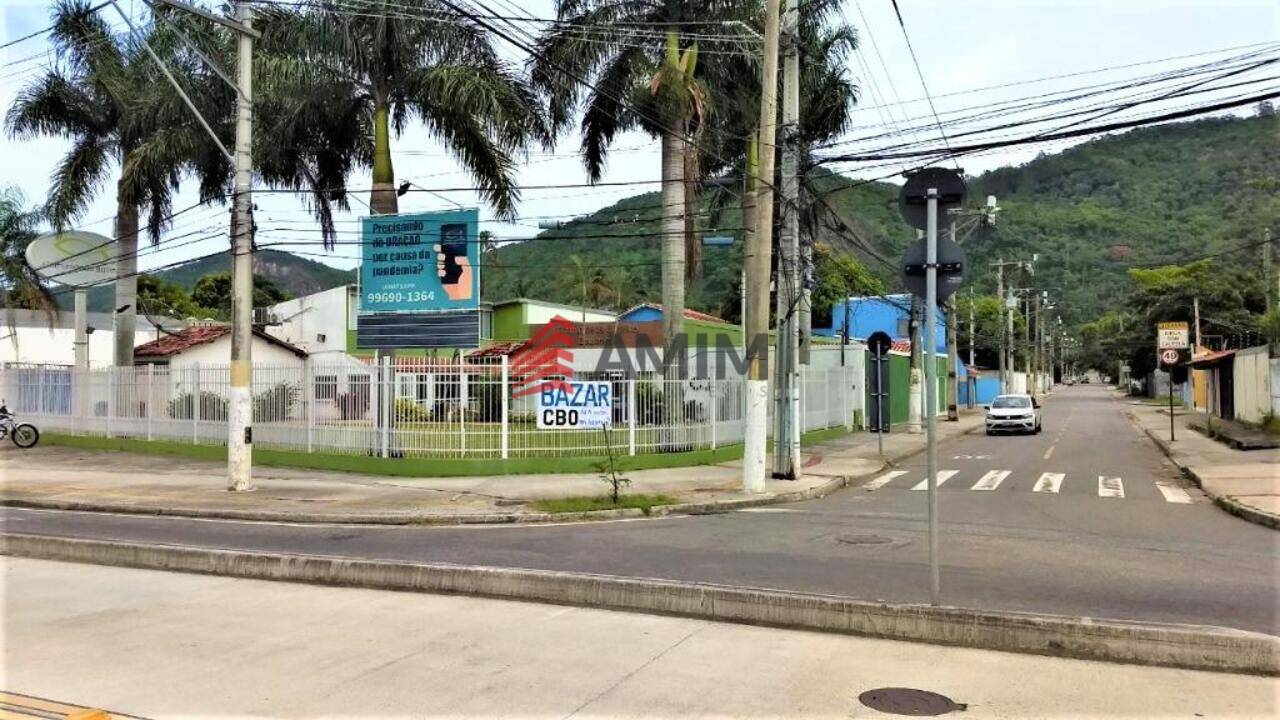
<point x="353" y="405"/>
<point x="651" y="408"/>
<point x="276" y="404"/>
<point x="486" y="398"/>
<point x="212" y="406"/>
<point x="410" y="411"/>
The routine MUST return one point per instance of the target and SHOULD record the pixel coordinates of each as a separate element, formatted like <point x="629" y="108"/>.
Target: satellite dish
<point x="75" y="258"/>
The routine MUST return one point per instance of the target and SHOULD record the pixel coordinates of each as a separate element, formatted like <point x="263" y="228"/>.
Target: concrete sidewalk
<point x="73" y="479"/>
<point x="1245" y="483"/>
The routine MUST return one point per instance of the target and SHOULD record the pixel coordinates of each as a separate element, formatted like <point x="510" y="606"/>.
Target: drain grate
<point x="863" y="539"/>
<point x="908" y="701"/>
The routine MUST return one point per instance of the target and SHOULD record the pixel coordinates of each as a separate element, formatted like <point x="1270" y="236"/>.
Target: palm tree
<point x="367" y="74"/>
<point x="584" y="280"/>
<point x="106" y="97"/>
<point x="20" y="286"/>
<point x="643" y="79"/>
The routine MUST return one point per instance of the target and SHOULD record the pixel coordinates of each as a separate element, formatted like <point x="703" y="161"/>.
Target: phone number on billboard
<point x="397" y="297"/>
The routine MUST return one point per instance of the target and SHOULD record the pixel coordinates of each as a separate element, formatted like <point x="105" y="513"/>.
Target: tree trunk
<point x="382" y="196"/>
<point x="125" y="322"/>
<point x="692" y="243"/>
<point x="672" y="240"/>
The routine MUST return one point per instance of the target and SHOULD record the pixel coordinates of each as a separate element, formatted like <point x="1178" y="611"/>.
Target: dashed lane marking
<point x="991" y="480"/>
<point x="1110" y="487"/>
<point x="1049" y="482"/>
<point x="884" y="479"/>
<point x="943" y="476"/>
<point x="1049" y="453"/>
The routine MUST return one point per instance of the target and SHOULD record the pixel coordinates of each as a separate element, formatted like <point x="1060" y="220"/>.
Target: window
<point x="1011" y="402"/>
<point x="326" y="387"/>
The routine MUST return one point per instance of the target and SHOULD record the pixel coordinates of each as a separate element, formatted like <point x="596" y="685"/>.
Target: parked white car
<point x="1013" y="413"/>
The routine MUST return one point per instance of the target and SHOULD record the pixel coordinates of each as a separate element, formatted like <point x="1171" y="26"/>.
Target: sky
<point x="963" y="48"/>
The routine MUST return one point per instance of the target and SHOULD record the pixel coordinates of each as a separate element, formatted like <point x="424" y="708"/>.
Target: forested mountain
<point x="1166" y="194"/>
<point x="291" y="273"/>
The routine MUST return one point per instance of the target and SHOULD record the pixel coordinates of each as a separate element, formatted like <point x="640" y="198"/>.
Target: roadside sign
<point x="879" y="342"/>
<point x="913" y="199"/>
<point x="1169" y="357"/>
<point x="76" y="258"/>
<point x="717" y="240"/>
<point x="950" y="268"/>
<point x="1176" y="335"/>
<point x="420" y="263"/>
<point x="575" y="405"/>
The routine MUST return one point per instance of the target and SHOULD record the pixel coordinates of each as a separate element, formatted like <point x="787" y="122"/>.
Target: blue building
<point x="887" y="313"/>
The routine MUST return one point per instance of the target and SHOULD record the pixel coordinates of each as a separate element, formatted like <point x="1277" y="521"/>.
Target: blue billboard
<point x="421" y="262"/>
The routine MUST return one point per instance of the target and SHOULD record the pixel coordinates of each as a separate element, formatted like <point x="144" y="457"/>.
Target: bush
<point x="486" y="398"/>
<point x="353" y="405"/>
<point x="651" y="408"/>
<point x="410" y="411"/>
<point x="277" y="403"/>
<point x="212" y="406"/>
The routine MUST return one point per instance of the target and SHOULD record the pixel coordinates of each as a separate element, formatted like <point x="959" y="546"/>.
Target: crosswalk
<point x="1107" y="486"/>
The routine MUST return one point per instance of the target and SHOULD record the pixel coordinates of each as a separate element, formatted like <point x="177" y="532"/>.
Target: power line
<point x="923" y="84"/>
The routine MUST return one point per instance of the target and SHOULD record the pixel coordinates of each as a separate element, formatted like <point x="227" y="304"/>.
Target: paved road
<point x="169" y="645"/>
<point x="1112" y="531"/>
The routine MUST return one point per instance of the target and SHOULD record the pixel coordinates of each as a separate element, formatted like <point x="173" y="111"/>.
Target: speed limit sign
<point x="1169" y="357"/>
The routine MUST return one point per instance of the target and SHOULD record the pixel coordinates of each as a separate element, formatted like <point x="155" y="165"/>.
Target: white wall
<point x="307" y="318"/>
<point x="1252" y="384"/>
<point x="38" y="344"/>
<point x="538" y="313"/>
<point x="218" y="352"/>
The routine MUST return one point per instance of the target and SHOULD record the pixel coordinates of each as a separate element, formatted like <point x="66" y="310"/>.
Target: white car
<point x="1013" y="413"/>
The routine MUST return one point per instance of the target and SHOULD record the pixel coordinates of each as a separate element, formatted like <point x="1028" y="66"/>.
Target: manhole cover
<point x="863" y="539"/>
<point x="908" y="701"/>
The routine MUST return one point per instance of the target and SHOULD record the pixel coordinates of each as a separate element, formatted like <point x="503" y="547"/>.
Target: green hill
<point x="1163" y="194"/>
<point x="294" y="274"/>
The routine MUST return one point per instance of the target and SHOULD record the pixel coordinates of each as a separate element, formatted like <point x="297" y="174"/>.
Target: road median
<point x="1168" y="645"/>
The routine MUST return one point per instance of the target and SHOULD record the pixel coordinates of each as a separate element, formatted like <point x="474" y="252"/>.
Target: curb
<point x="1226" y="502"/>
<point x="494" y="518"/>
<point x="1199" y="647"/>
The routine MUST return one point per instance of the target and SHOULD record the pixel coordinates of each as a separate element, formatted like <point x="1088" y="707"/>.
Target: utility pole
<point x="953" y="353"/>
<point x="240" y="416"/>
<point x="1196" y="306"/>
<point x="786" y="443"/>
<point x="756" y="257"/>
<point x="1004" y="333"/>
<point x="1026" y="343"/>
<point x="973" y="333"/>
<point x="1266" y="268"/>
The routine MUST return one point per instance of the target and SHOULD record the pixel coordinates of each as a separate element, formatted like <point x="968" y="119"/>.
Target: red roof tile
<point x="196" y="335"/>
<point x="688" y="314"/>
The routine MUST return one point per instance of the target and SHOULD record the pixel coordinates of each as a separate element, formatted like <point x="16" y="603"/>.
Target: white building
<point x="29" y="339"/>
<point x="210" y="345"/>
<point x="317" y="323"/>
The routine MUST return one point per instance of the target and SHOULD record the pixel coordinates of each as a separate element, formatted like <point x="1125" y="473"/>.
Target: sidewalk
<point x="73" y="479"/>
<point x="1244" y="483"/>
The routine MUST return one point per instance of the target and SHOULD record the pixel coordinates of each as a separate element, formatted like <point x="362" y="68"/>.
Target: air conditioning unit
<point x="264" y="316"/>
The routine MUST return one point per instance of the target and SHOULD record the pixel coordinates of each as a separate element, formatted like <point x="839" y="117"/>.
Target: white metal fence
<point x="419" y="408"/>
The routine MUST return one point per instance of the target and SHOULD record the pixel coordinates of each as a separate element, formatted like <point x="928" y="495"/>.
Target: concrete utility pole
<point x="786" y="443"/>
<point x="973" y="333"/>
<point x="240" y="415"/>
<point x="1028" y="351"/>
<point x="953" y="353"/>
<point x="756" y="258"/>
<point x="915" y="397"/>
<point x="1266" y="268"/>
<point x="1196" y="306"/>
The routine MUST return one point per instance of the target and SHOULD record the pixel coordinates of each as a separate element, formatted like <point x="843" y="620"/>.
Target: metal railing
<point x="419" y="407"/>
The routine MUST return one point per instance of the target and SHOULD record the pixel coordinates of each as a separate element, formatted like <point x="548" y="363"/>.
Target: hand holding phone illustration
<point x="454" y="268"/>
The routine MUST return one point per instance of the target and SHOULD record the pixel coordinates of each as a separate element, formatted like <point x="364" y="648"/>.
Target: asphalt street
<point x="1087" y="518"/>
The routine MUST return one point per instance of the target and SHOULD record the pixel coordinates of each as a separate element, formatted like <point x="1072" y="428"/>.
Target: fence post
<point x="309" y="399"/>
<point x="111" y="397"/>
<point x="384" y="404"/>
<point x="39" y="390"/>
<point x="195" y="403"/>
<point x="715" y="404"/>
<point x="631" y="416"/>
<point x="462" y="406"/>
<point x="506" y="378"/>
<point x="151" y="396"/>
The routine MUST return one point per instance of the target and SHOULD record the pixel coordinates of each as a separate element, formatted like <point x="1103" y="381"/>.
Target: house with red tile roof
<point x="210" y="344"/>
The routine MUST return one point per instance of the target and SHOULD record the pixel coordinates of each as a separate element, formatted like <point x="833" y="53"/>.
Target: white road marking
<point x="1049" y="453"/>
<point x="991" y="480"/>
<point x="1049" y="482"/>
<point x="971" y="457"/>
<point x="1110" y="487"/>
<point x="884" y="479"/>
<point x="943" y="476"/>
<point x="1172" y="493"/>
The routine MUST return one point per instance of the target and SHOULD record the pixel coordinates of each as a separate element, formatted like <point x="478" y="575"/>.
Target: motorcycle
<point x="24" y="435"/>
